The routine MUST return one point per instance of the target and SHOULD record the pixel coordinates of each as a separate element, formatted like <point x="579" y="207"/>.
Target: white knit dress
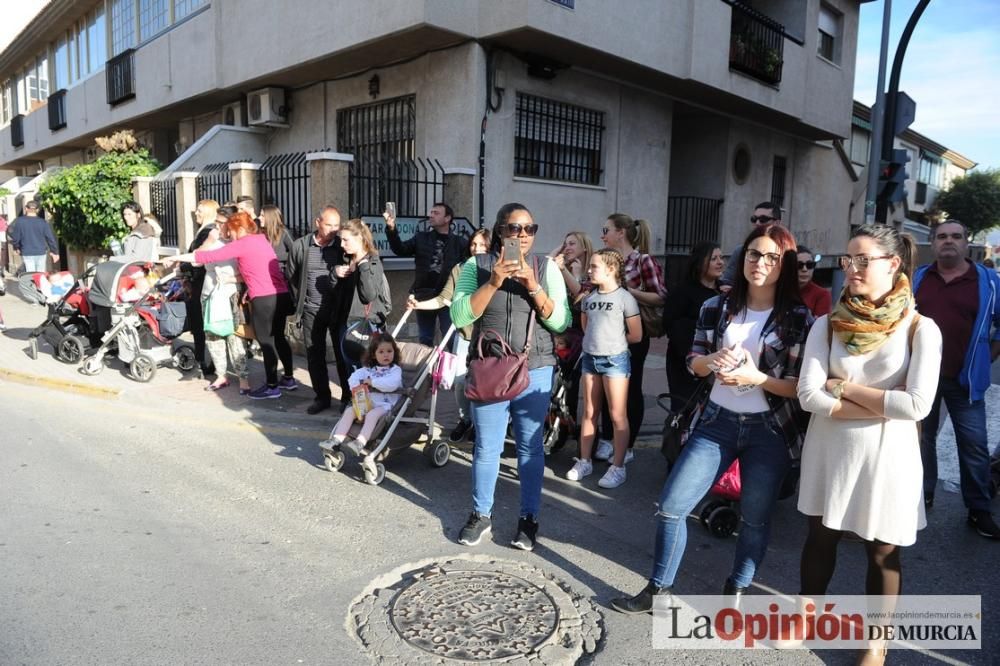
<point x="865" y="475"/>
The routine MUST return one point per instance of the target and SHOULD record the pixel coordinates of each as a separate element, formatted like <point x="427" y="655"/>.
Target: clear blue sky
<point x="951" y="70"/>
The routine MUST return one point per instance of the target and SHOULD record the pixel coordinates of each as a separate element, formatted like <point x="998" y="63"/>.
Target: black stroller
<point x="68" y="327"/>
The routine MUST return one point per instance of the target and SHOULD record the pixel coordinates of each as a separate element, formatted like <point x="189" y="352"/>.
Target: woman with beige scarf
<point x="867" y="387"/>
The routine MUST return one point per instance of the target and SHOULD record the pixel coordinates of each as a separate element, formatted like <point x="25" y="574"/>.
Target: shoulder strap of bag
<point x="913" y="330"/>
<point x="532" y="314"/>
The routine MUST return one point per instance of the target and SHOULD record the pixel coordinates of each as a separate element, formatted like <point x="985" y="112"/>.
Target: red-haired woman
<point x="269" y="297"/>
<point x="749" y="342"/>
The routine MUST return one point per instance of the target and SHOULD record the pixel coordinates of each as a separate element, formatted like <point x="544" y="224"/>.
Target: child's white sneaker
<point x="614" y="477"/>
<point x="581" y="469"/>
<point x="605" y="449"/>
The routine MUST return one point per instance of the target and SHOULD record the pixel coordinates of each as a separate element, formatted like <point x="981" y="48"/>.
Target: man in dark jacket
<point x="31" y="236"/>
<point x="311" y="264"/>
<point x="435" y="253"/>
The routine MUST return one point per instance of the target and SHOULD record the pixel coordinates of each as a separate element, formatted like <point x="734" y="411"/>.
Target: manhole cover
<point x="474" y="609"/>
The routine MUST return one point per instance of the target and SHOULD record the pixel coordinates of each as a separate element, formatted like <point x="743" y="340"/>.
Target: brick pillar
<point x="244" y="175"/>
<point x="186" y="191"/>
<point x="140" y="192"/>
<point x="328" y="181"/>
<point x="460" y="192"/>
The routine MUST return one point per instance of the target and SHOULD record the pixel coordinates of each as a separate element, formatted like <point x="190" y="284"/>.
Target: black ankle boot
<point x="732" y="593"/>
<point x="640" y="603"/>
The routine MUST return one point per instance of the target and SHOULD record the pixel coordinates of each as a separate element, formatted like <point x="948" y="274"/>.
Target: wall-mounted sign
<point x="407" y="226"/>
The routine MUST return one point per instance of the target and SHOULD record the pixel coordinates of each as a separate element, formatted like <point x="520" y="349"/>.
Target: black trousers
<point x="196" y="324"/>
<point x="269" y="315"/>
<point x="319" y="328"/>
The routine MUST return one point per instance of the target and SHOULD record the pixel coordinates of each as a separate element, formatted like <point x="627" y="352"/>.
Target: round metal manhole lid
<point x="474" y="609"/>
<point x="474" y="615"/>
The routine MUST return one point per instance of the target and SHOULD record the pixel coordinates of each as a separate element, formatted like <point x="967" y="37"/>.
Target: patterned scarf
<point x="863" y="326"/>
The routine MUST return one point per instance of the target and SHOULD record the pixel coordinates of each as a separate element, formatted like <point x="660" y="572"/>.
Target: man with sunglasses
<point x="816" y="298"/>
<point x="763" y="213"/>
<point x="435" y="252"/>
<point x="963" y="299"/>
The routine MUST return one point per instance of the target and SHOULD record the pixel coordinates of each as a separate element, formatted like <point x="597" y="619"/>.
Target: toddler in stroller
<point x="68" y="327"/>
<point x="138" y="314"/>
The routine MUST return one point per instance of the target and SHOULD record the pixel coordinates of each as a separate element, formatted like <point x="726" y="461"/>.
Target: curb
<point x="59" y="384"/>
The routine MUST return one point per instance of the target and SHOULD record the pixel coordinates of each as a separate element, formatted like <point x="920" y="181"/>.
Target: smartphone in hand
<point x="390" y="209"/>
<point x="512" y="250"/>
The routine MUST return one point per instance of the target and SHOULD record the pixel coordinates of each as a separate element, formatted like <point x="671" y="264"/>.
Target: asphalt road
<point x="145" y="534"/>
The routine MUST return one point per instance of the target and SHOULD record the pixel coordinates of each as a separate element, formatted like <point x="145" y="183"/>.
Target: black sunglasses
<point x="515" y="229"/>
<point x="761" y="219"/>
<point x="807" y="265"/>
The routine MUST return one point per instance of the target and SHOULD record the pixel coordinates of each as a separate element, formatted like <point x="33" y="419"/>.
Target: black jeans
<point x="319" y="328"/>
<point x="269" y="314"/>
<point x="636" y="403"/>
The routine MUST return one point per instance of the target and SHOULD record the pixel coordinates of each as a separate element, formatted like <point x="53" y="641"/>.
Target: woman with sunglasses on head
<point x="644" y="280"/>
<point x="748" y="342"/>
<point x="816" y="298"/>
<point x="867" y="386"/>
<point x="509" y="295"/>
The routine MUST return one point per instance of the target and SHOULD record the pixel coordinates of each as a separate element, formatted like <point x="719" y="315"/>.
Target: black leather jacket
<point x="421" y="248"/>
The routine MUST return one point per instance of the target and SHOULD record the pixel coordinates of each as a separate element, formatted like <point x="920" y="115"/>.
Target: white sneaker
<point x="628" y="456"/>
<point x="605" y="449"/>
<point x="614" y="477"/>
<point x="581" y="469"/>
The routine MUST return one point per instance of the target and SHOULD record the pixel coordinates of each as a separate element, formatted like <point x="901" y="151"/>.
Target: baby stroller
<point x="68" y="327"/>
<point x="138" y="322"/>
<point x="408" y="420"/>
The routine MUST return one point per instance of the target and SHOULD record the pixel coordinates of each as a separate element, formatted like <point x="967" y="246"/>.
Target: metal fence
<point x="413" y="184"/>
<point x="691" y="220"/>
<point x="283" y="181"/>
<point x="214" y="182"/>
<point x="163" y="204"/>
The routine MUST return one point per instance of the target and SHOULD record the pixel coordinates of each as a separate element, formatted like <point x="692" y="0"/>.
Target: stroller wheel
<point x="71" y="349"/>
<point x="92" y="366"/>
<point x="334" y="460"/>
<point x="723" y="521"/>
<point x="706" y="511"/>
<point x="378" y="476"/>
<point x="142" y="368"/>
<point x="438" y="453"/>
<point x="184" y="359"/>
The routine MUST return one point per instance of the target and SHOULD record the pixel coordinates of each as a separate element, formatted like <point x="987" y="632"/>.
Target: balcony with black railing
<point x="120" y="72"/>
<point x="57" y="110"/>
<point x="17" y="131"/>
<point x="756" y="44"/>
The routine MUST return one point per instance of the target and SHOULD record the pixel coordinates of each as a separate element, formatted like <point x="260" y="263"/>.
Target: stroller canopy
<point x="103" y="291"/>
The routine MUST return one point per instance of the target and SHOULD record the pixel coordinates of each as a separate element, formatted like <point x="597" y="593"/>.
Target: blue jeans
<point x="527" y="415"/>
<point x="426" y="319"/>
<point x="33" y="263"/>
<point x="969" y="419"/>
<point x="721" y="437"/>
<point x="461" y="350"/>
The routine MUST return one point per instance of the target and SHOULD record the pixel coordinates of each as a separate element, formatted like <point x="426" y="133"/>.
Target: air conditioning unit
<point x="232" y="114"/>
<point x="267" y="107"/>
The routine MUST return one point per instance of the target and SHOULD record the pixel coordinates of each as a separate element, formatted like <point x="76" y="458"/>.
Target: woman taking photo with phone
<point x="523" y="301"/>
<point x="749" y="341"/>
<point x="867" y="388"/>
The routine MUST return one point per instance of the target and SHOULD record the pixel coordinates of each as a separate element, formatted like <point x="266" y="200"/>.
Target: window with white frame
<point x="184" y="7"/>
<point x="5" y="104"/>
<point x="830" y="33"/>
<point x="154" y="16"/>
<point x="122" y="26"/>
<point x="931" y="170"/>
<point x="60" y="63"/>
<point x="97" y="39"/>
<point x="859" y="145"/>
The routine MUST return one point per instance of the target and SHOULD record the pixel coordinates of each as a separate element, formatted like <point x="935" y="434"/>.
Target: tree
<point x="974" y="200"/>
<point x="85" y="201"/>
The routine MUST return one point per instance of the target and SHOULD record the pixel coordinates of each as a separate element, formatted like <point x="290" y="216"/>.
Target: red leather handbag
<point x="499" y="378"/>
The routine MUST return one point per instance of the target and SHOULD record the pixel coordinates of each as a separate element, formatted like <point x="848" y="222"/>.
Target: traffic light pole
<point x="889" y="120"/>
<point x="878" y="114"/>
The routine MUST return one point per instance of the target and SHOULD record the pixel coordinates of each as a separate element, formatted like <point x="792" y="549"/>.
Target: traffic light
<point x="893" y="176"/>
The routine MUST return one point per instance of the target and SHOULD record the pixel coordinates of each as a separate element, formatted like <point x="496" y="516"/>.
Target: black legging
<point x="819" y="559"/>
<point x="636" y="403"/>
<point x="269" y="314"/>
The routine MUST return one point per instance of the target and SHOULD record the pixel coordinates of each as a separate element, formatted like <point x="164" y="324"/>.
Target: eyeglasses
<point x="954" y="236"/>
<point x="807" y="265"/>
<point x="516" y="229"/>
<point x="770" y="258"/>
<point x="859" y="262"/>
<point x="761" y="219"/>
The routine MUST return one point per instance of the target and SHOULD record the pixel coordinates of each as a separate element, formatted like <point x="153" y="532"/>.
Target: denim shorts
<point x="617" y="365"/>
